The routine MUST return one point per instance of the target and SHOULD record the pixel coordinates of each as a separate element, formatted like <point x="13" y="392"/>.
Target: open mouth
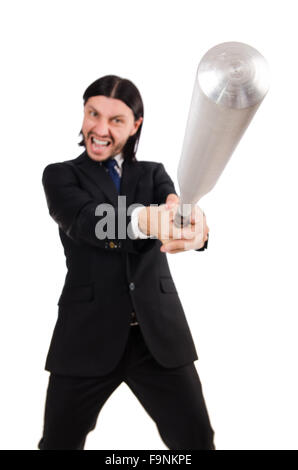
<point x="100" y="143"/>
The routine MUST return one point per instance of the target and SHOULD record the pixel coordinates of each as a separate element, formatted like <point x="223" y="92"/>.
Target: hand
<point x="172" y="200"/>
<point x="201" y="230"/>
<point x="158" y="221"/>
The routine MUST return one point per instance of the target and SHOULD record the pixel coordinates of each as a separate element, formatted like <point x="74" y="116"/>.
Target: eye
<point x="117" y="120"/>
<point x="93" y="113"/>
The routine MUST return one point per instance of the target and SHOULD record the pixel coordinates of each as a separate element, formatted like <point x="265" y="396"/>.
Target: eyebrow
<point x="117" y="115"/>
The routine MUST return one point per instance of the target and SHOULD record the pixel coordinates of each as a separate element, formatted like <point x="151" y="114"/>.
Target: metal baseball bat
<point x="232" y="80"/>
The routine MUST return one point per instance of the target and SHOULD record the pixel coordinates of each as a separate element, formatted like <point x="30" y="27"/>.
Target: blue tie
<point x="110" y="164"/>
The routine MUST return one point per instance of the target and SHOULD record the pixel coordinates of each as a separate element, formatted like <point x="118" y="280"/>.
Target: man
<point x="120" y="317"/>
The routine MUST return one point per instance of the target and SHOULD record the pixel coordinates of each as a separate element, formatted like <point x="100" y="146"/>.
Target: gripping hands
<point x="158" y="222"/>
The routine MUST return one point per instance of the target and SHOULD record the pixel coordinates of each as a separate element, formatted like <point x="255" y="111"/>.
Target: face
<point x="107" y="124"/>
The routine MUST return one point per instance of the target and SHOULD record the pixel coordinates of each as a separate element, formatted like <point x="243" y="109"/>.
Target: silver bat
<point x="232" y="80"/>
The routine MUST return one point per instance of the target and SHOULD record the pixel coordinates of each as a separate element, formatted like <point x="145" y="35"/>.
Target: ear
<point x="137" y="124"/>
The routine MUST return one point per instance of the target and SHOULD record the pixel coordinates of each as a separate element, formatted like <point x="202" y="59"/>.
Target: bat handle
<point x="183" y="214"/>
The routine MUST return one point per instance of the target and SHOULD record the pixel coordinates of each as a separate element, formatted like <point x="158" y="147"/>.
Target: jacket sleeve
<point x="205" y="245"/>
<point x="163" y="185"/>
<point x="73" y="209"/>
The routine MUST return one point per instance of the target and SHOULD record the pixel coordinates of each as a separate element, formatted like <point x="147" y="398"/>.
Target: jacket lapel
<point x="101" y="180"/>
<point x="131" y="173"/>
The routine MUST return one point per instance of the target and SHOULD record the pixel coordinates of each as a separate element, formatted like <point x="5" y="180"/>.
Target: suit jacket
<point x="108" y="279"/>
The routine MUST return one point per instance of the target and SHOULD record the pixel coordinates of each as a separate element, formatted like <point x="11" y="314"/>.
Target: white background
<point x="240" y="295"/>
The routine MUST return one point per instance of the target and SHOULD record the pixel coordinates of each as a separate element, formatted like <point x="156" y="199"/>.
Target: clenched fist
<point x="158" y="222"/>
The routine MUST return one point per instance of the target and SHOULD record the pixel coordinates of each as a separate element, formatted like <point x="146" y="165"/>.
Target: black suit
<point x="94" y="348"/>
<point x="107" y="280"/>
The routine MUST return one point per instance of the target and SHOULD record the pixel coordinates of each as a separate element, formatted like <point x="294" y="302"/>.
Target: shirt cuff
<point x="135" y="224"/>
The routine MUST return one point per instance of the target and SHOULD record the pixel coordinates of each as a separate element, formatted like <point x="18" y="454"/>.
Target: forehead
<point x="108" y="106"/>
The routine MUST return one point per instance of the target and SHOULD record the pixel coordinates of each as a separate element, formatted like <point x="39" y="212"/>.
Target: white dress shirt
<point x="135" y="213"/>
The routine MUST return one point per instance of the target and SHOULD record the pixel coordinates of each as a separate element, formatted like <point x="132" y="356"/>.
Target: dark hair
<point x="122" y="89"/>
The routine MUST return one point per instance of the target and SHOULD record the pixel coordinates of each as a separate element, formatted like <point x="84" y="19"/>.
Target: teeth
<point x="100" y="142"/>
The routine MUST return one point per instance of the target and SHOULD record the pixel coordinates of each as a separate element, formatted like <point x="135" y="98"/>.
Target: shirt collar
<point x="119" y="159"/>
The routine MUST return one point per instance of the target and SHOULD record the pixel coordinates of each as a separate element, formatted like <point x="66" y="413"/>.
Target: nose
<point x="101" y="128"/>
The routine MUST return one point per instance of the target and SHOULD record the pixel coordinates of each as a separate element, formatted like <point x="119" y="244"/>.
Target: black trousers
<point x="172" y="397"/>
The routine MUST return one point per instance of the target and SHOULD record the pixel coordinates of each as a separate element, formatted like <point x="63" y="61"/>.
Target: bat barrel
<point x="231" y="81"/>
<point x="233" y="75"/>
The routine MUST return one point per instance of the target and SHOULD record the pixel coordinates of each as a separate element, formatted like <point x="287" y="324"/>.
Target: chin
<point x="97" y="157"/>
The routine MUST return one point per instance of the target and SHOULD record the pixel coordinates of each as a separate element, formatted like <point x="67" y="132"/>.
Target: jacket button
<point x="131" y="286"/>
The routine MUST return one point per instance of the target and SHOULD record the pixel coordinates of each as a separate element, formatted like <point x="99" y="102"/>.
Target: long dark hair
<point x="122" y="89"/>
